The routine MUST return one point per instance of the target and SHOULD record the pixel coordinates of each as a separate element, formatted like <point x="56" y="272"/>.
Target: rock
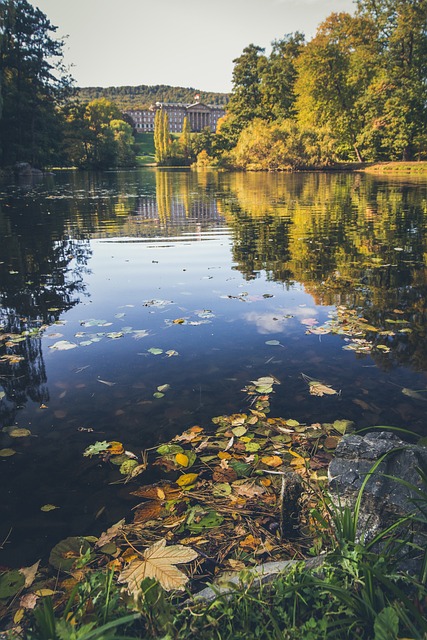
<point x="25" y="170"/>
<point x="385" y="499"/>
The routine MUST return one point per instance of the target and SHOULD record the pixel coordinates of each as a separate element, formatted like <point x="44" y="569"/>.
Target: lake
<point x="136" y="304"/>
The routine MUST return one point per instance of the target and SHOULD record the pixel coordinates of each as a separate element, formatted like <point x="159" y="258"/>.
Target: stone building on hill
<point x="200" y="116"/>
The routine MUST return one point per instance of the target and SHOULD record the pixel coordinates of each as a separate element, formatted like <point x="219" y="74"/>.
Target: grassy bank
<point x="397" y="168"/>
<point x="144" y="148"/>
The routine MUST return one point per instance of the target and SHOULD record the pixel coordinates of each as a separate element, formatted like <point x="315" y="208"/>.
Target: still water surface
<point x="109" y="262"/>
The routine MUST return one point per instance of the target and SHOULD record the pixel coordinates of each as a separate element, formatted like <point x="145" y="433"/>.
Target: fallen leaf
<point x="272" y="461"/>
<point x="187" y="479"/>
<point x="159" y="563"/>
<point x="149" y="511"/>
<point x="182" y="459"/>
<point x="63" y="345"/>
<point x="48" y="507"/>
<point x="320" y="389"/>
<point x="6" y="453"/>
<point x="110" y="534"/>
<point x="19" y="433"/>
<point x="250" y="542"/>
<point x="29" y="573"/>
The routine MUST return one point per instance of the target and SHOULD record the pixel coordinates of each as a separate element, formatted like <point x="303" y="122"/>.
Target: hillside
<point x="129" y="97"/>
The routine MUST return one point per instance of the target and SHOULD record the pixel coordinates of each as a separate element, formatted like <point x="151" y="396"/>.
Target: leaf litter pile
<point x="224" y="501"/>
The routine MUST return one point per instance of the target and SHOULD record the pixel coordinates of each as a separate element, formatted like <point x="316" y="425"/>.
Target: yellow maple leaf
<point x="159" y="563"/>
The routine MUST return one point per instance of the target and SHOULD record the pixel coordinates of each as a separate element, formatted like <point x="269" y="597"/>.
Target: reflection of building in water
<point x="177" y="201"/>
<point x="175" y="209"/>
<point x="200" y="116"/>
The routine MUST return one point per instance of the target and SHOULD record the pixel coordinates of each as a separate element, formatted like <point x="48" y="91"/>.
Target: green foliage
<point x="32" y="80"/>
<point x="281" y="146"/>
<point x="95" y="135"/>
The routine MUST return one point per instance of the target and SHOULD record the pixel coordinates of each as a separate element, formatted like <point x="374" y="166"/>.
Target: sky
<point x="187" y="43"/>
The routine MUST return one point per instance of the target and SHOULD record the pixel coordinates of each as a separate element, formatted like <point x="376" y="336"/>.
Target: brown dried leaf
<point x="29" y="574"/>
<point x="110" y="534"/>
<point x="149" y="511"/>
<point x="319" y="389"/>
<point x="223" y="475"/>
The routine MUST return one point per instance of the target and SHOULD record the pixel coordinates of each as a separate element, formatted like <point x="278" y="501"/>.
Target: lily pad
<point x="7" y="453"/>
<point x="10" y="583"/>
<point x="66" y="552"/>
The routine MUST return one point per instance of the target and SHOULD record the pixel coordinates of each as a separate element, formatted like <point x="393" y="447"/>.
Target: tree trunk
<point x="358" y="154"/>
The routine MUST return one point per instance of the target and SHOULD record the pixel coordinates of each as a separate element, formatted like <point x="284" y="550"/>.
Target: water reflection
<point x="240" y="258"/>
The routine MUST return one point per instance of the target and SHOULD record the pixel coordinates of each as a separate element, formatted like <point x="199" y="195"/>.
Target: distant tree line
<point x="142" y="96"/>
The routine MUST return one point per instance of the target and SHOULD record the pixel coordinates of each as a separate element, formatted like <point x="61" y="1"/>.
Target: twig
<point x="6" y="539"/>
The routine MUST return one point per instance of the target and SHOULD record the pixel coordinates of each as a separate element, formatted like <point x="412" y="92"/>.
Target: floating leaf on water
<point x="115" y="448"/>
<point x="16" y="432"/>
<point x="187" y="479"/>
<point x="11" y="583"/>
<point x="66" y="552"/>
<point x="157" y="394"/>
<point x="48" y="507"/>
<point x="166" y="449"/>
<point x="114" y="335"/>
<point x="273" y="343"/>
<point x="128" y="466"/>
<point x="163" y="387"/>
<point x="182" y="459"/>
<point x="96" y="448"/>
<point x="155" y="351"/>
<point x="171" y="352"/>
<point x="179" y="321"/>
<point x="320" y="389"/>
<point x="119" y="315"/>
<point x="2" y="395"/>
<point x="7" y="453"/>
<point x="342" y="426"/>
<point x="239" y="431"/>
<point x="63" y="345"/>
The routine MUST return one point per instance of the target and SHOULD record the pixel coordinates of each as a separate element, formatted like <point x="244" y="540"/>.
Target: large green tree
<point x="396" y="100"/>
<point x="33" y="79"/>
<point x="278" y="77"/>
<point x="245" y="102"/>
<point x="335" y="70"/>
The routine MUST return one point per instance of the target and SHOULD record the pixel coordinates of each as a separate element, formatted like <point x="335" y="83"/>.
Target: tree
<point x="33" y="79"/>
<point x="397" y="97"/>
<point x="279" y="75"/>
<point x="185" y="139"/>
<point x="245" y="102"/>
<point x="334" y="71"/>
<point x="162" y="142"/>
<point x="123" y="137"/>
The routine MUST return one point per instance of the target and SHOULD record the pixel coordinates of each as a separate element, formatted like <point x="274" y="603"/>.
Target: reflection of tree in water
<point x="40" y="278"/>
<point x="349" y="241"/>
